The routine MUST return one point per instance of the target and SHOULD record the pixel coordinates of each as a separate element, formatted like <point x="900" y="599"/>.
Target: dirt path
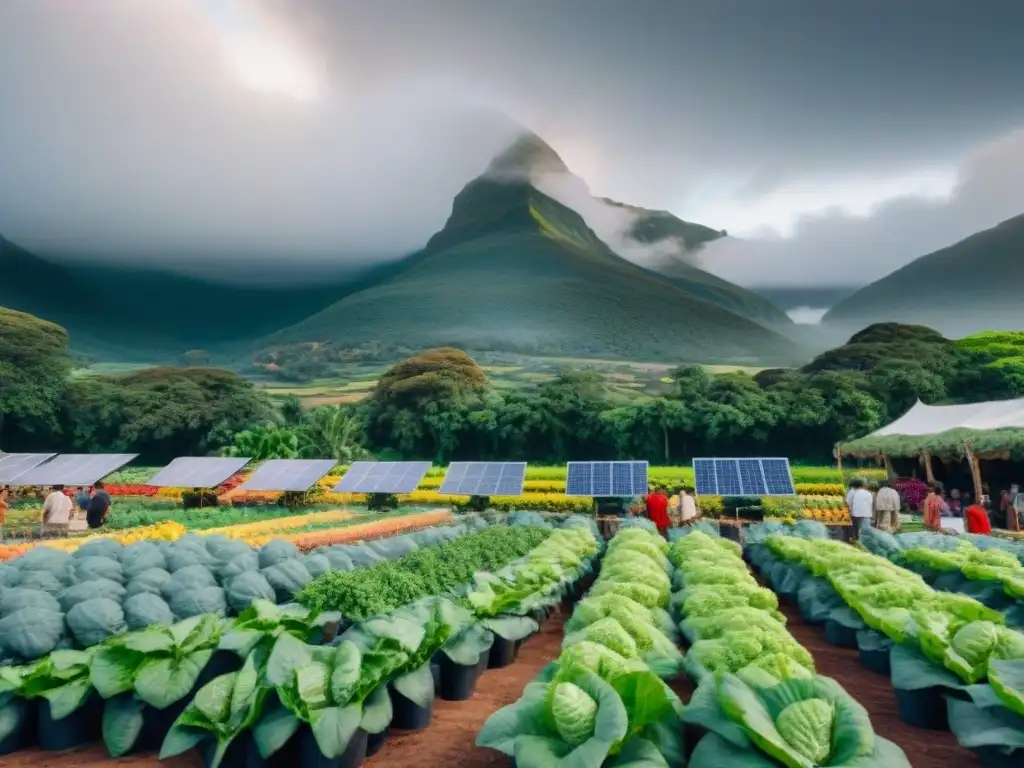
<point x="924" y="749"/>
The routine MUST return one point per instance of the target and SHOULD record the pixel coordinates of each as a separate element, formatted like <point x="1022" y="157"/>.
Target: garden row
<point x="306" y="531"/>
<point x="952" y="661"/>
<point x="604" y="701"/>
<point x="204" y="681"/>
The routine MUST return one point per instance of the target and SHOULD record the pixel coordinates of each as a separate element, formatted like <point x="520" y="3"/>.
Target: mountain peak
<point x="528" y="154"/>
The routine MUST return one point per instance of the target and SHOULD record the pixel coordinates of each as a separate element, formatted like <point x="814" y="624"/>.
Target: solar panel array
<point x="606" y="478"/>
<point x="481" y="478"/>
<point x="287" y="475"/>
<point x="383" y="477"/>
<point x="14" y="464"/>
<point x="198" y="472"/>
<point x="74" y="469"/>
<point x="743" y="477"/>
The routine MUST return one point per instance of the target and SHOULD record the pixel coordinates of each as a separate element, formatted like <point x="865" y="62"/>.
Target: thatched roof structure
<point x="993" y="430"/>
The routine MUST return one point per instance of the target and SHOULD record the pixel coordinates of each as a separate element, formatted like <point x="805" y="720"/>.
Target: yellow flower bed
<point x="820" y="489"/>
<point x="165" y="531"/>
<point x="279" y="524"/>
<point x="375" y="529"/>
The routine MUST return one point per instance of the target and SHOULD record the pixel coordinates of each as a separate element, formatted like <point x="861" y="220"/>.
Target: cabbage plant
<point x="803" y="722"/>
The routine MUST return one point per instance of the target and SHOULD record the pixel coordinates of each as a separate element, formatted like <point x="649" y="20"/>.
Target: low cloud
<point x="835" y="248"/>
<point x="807" y="315"/>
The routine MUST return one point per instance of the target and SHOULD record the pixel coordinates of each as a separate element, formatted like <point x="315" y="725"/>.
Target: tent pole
<point x="928" y="474"/>
<point x="890" y="473"/>
<point x="972" y="462"/>
<point x="838" y="453"/>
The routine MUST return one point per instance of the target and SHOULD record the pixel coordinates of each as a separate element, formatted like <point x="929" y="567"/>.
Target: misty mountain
<point x="515" y="269"/>
<point x="970" y="286"/>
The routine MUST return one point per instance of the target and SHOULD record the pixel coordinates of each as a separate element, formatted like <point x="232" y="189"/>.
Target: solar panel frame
<point x="761" y="476"/>
<point x="294" y="475"/>
<point x="74" y="469"/>
<point x="198" y="471"/>
<point x="606" y="478"/>
<point x="484" y="478"/>
<point x="383" y="477"/>
<point x="14" y="464"/>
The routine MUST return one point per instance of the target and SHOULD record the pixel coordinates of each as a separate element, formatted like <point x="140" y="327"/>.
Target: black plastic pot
<point x="839" y="635"/>
<point x="923" y="708"/>
<point x="435" y="672"/>
<point x="310" y="755"/>
<point x="503" y="652"/>
<point x="993" y="757"/>
<point x="407" y="715"/>
<point x="375" y="742"/>
<point x="243" y="753"/>
<point x="156" y="723"/>
<point x="84" y="726"/>
<point x="876" y="660"/>
<point x="458" y="681"/>
<point x="26" y="735"/>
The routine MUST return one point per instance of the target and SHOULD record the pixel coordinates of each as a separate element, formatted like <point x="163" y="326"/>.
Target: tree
<point x="34" y="366"/>
<point x="263" y="443"/>
<point x="331" y="432"/>
<point x="162" y="413"/>
<point x="292" y="412"/>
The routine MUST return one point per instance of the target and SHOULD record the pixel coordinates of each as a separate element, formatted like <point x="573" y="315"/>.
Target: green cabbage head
<point x="574" y="713"/>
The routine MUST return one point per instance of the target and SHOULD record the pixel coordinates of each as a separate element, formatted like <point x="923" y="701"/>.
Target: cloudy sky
<point x="836" y="140"/>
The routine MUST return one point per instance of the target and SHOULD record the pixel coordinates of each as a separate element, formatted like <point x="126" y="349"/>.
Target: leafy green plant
<point x="265" y="442"/>
<point x="62" y="678"/>
<point x="802" y="722"/>
<point x="263" y="622"/>
<point x="221" y="710"/>
<point x="158" y="666"/>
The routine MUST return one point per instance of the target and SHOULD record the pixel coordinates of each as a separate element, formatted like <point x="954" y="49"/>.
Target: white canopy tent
<point x="932" y="419"/>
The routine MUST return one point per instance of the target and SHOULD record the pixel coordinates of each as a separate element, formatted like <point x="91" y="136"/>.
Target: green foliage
<point x="34" y="365"/>
<point x="264" y="442"/>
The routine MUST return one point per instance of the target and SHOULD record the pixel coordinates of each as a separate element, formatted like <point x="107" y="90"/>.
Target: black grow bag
<point x="923" y="708"/>
<point x="458" y="681"/>
<point x="26" y="735"/>
<point x="840" y="635"/>
<point x="876" y="660"/>
<point x="243" y="753"/>
<point x="407" y="715"/>
<point x="375" y="742"/>
<point x="993" y="757"/>
<point x="503" y="652"/>
<point x="435" y="672"/>
<point x="83" y="726"/>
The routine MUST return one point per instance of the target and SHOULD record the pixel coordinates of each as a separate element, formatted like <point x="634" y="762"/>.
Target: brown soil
<point x="924" y="749"/>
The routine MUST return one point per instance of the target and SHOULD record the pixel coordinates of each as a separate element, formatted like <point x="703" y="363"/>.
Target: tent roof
<point x="941" y="429"/>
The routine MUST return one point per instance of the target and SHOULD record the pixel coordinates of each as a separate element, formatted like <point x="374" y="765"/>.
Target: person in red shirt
<point x="657" y="510"/>
<point x="977" y="520"/>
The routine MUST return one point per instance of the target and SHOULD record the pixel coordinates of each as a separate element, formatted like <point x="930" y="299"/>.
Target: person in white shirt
<point x="861" y="505"/>
<point x="56" y="510"/>
<point x="887" y="508"/>
<point x="687" y="506"/>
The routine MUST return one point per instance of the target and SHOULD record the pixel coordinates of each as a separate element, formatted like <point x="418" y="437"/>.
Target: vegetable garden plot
<point x="943" y="645"/>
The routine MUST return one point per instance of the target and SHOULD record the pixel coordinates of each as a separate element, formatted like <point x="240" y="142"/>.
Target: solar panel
<point x="14" y="464"/>
<point x="483" y="478"/>
<point x="383" y="477"/>
<point x="74" y="469"/>
<point x="287" y="475"/>
<point x="606" y="478"/>
<point x="198" y="472"/>
<point x="743" y="477"/>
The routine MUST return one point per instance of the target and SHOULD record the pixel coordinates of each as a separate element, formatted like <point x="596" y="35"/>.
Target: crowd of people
<point x="60" y="507"/>
<point x="880" y="507"/>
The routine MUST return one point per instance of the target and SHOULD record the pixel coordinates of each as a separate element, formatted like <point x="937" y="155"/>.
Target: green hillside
<point x="129" y="313"/>
<point x="514" y="269"/>
<point x="968" y="287"/>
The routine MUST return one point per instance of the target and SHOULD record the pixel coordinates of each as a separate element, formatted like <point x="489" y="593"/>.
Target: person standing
<point x="976" y="520"/>
<point x="82" y="499"/>
<point x="887" y="508"/>
<point x="687" y="506"/>
<point x="657" y="510"/>
<point x="4" y="505"/>
<point x="56" y="511"/>
<point x="860" y="505"/>
<point x="933" y="508"/>
<point x="99" y="506"/>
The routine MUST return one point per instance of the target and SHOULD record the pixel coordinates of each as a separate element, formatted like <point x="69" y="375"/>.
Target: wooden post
<point x="928" y="474"/>
<point x="890" y="473"/>
<point x="972" y="462"/>
<point x="838" y="453"/>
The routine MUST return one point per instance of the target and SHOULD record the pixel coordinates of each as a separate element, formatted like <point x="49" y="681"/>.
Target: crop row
<point x="204" y="681"/>
<point x="952" y="660"/>
<point x="306" y="532"/>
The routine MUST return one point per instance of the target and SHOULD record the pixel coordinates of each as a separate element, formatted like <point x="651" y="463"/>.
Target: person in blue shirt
<point x="82" y="499"/>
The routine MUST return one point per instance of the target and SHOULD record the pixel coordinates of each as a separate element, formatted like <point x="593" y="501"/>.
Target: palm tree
<point x="333" y="432"/>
